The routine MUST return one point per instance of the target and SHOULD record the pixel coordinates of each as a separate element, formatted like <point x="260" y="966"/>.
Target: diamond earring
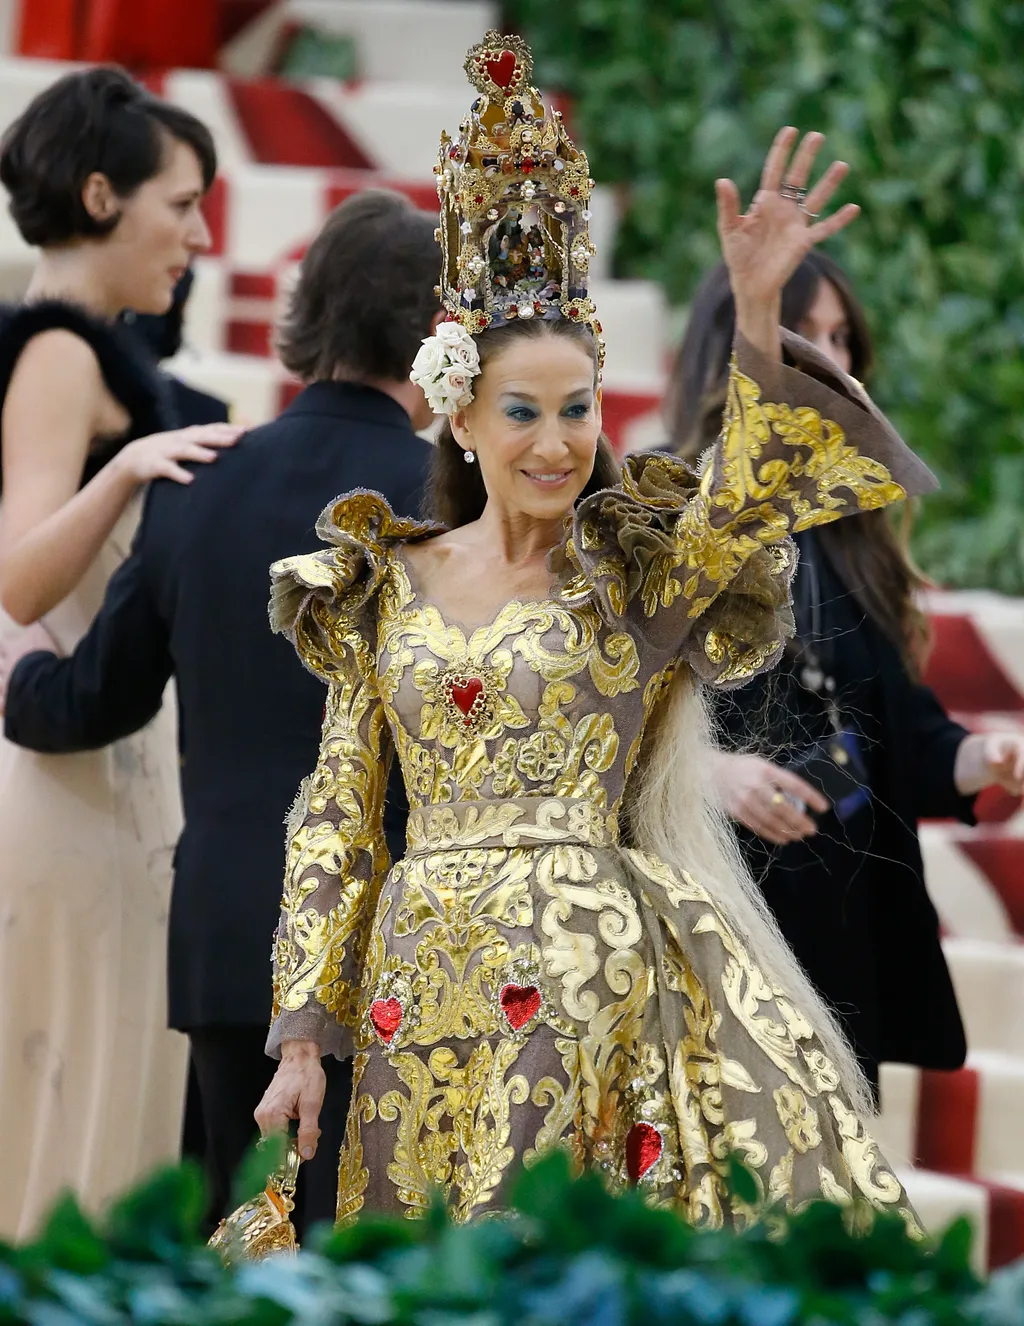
<point x="469" y="456"/>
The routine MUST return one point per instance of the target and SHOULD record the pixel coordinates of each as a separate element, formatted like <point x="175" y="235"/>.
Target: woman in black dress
<point x="832" y="759"/>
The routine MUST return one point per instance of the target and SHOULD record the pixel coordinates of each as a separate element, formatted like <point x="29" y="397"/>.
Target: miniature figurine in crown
<point x="515" y="195"/>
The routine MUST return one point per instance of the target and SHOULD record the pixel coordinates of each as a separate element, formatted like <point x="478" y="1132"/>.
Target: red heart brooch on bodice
<point x="519" y="1003"/>
<point x="644" y="1145"/>
<point x="386" y="1017"/>
<point x="466" y="693"/>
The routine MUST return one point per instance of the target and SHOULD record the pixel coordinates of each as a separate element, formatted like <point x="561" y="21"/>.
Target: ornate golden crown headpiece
<point x="515" y="194"/>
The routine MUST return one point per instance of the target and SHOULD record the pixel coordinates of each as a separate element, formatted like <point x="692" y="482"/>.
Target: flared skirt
<point x="530" y="984"/>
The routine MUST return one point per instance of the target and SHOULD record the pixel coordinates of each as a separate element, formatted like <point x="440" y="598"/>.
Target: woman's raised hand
<point x="160" y="455"/>
<point x="764" y="246"/>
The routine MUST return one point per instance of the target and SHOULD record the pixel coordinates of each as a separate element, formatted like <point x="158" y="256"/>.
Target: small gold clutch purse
<point x="262" y="1226"/>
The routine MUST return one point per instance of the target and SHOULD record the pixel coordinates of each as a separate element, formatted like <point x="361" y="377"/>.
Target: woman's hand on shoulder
<point x="765" y="798"/>
<point x="296" y="1092"/>
<point x="764" y="246"/>
<point x="987" y="759"/>
<point x="163" y="455"/>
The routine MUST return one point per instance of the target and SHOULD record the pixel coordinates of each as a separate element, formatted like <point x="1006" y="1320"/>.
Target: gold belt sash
<point x="515" y="822"/>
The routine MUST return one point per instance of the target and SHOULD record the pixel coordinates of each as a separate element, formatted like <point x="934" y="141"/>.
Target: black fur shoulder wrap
<point x="131" y="376"/>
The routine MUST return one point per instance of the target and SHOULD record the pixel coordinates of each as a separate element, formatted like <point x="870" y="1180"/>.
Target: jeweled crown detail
<point x="515" y="194"/>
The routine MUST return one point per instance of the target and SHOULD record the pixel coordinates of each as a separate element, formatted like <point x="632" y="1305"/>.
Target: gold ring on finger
<point x="778" y="798"/>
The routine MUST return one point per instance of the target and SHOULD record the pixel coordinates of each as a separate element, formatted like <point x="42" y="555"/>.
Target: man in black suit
<point x="191" y="602"/>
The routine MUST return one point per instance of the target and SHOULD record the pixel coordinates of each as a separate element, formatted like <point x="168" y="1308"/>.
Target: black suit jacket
<point x="191" y="601"/>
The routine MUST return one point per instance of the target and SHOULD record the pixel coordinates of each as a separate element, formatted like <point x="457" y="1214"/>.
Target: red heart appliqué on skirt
<point x="386" y="1016"/>
<point x="519" y="1003"/>
<point x="644" y="1145"/>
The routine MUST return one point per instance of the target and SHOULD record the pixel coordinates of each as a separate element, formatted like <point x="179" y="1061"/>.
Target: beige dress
<point x="91" y="1080"/>
<point x="524" y="978"/>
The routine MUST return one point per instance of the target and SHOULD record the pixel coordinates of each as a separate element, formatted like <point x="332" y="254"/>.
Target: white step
<point x="989" y="981"/>
<point x="940" y="1199"/>
<point x="968" y="905"/>
<point x="634" y="316"/>
<point x="895" y="1128"/>
<point x="251" y="386"/>
<point x="275" y="210"/>
<point x="406" y="40"/>
<point x="998" y="1141"/>
<point x="999" y="1138"/>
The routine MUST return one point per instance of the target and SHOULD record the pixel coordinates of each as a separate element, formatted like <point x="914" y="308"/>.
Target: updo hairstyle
<point x="455" y="491"/>
<point x="95" y="120"/>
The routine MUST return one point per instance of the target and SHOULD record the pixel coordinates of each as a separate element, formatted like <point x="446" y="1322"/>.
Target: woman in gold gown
<point x="569" y="954"/>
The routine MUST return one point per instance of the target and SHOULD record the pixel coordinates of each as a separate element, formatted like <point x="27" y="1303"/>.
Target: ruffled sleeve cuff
<point x="810" y="392"/>
<point x="310" y="1024"/>
<point x="702" y="564"/>
<point x="623" y="554"/>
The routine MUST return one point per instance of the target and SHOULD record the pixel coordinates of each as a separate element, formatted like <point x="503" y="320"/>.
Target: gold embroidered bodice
<point x="552" y="698"/>
<point x="522" y="706"/>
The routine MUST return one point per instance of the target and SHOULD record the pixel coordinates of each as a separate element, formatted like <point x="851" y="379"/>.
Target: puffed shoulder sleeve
<point x="336" y="855"/>
<point x="701" y="564"/>
<point x="323" y="601"/>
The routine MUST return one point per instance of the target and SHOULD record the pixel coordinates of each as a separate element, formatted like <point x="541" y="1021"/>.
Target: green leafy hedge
<point x="571" y="1255"/>
<point x="925" y="99"/>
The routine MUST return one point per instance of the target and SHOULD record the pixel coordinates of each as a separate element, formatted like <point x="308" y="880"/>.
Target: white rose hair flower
<point x="445" y="367"/>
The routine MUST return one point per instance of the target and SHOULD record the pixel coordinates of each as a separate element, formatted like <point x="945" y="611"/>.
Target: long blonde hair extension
<point x="674" y="814"/>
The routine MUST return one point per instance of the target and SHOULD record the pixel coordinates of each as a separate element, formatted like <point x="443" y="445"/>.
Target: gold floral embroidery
<point x="336" y="856"/>
<point x="798" y="1119"/>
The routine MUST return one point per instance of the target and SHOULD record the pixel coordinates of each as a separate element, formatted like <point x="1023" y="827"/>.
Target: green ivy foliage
<point x="569" y="1254"/>
<point x="925" y="100"/>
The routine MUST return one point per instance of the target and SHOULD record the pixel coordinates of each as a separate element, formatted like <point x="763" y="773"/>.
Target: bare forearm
<point x="758" y="322"/>
<point x="46" y="563"/>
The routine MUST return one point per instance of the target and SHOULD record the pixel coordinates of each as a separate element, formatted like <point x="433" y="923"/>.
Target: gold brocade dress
<point x="521" y="979"/>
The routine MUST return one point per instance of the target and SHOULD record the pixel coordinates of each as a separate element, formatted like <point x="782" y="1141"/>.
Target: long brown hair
<point x="870" y="555"/>
<point x="455" y="491"/>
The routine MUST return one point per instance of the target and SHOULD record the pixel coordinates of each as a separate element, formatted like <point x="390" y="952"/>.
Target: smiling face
<point x="534" y="425"/>
<point x="826" y="325"/>
<point x="160" y="230"/>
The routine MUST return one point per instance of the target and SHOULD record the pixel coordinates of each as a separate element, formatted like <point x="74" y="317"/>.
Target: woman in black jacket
<point x="852" y="749"/>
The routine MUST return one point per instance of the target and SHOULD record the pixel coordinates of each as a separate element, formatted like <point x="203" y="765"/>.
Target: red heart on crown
<point x="501" y="69"/>
<point x="519" y="1003"/>
<point x="644" y="1145"/>
<point x="464" y="694"/>
<point x="386" y="1016"/>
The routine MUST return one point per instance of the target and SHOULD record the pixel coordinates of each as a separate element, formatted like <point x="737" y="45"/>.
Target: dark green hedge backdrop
<point x="925" y="99"/>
